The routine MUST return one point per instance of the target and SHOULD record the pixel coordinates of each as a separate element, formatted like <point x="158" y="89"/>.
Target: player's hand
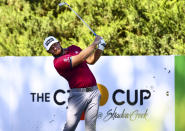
<point x="102" y="44"/>
<point x="97" y="40"/>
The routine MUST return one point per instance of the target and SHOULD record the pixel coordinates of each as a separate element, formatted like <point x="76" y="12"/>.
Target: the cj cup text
<point x="132" y="97"/>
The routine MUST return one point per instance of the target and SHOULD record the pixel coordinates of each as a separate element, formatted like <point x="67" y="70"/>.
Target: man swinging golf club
<point x="71" y="63"/>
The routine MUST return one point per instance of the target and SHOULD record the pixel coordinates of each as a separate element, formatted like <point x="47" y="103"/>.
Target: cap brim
<point x="50" y="44"/>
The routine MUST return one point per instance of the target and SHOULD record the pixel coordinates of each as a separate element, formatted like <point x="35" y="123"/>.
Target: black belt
<point x="88" y="89"/>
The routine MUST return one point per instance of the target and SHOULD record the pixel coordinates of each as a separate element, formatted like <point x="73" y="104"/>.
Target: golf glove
<point x="102" y="44"/>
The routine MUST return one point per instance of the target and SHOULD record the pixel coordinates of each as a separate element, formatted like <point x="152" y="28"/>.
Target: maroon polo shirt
<point x="79" y="76"/>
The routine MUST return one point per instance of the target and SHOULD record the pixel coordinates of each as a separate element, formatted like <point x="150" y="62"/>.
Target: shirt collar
<point x="64" y="51"/>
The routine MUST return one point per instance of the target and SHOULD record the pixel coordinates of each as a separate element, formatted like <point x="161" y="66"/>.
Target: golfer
<point x="71" y="63"/>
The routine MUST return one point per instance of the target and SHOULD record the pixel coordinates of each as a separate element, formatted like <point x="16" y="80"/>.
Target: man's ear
<point x="48" y="51"/>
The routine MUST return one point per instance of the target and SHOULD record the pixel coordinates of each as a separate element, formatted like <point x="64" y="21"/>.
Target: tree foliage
<point x="130" y="27"/>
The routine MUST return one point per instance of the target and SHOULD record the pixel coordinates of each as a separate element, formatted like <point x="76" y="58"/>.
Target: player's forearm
<point x="84" y="54"/>
<point x="94" y="57"/>
<point x="97" y="55"/>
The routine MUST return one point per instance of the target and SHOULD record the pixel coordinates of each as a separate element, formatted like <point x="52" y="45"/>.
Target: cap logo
<point x="49" y="41"/>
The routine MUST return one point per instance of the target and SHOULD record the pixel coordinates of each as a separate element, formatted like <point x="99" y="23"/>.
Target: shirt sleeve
<point x="63" y="63"/>
<point x="76" y="48"/>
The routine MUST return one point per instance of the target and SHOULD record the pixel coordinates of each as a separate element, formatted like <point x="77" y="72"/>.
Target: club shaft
<point x="81" y="19"/>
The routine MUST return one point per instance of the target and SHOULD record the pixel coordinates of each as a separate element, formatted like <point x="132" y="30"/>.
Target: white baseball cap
<point x="49" y="41"/>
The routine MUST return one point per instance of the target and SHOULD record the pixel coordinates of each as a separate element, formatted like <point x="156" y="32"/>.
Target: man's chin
<point x="57" y="53"/>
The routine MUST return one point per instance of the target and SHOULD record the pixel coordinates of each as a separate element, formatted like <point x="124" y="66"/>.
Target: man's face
<point x="55" y="49"/>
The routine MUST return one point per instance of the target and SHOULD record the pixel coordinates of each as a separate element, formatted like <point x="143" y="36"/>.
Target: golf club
<point x="64" y="3"/>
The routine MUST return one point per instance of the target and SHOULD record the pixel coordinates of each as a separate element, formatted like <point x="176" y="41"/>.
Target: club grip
<point x="94" y="34"/>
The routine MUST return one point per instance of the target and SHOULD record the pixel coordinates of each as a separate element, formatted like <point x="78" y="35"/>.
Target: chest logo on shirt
<point x="66" y="60"/>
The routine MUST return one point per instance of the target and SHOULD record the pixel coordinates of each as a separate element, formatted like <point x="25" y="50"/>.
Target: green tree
<point x="130" y="27"/>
